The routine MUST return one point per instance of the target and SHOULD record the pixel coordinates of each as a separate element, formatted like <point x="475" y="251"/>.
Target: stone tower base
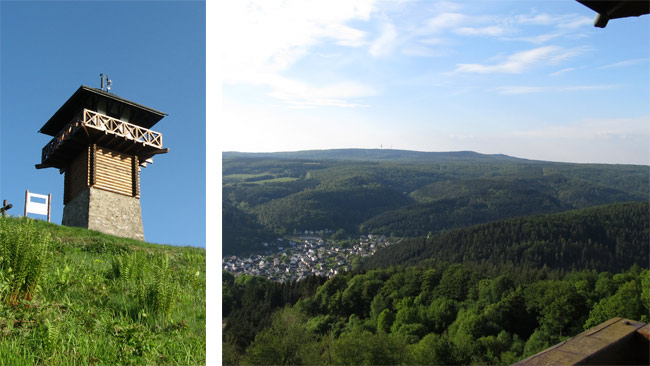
<point x="107" y="212"/>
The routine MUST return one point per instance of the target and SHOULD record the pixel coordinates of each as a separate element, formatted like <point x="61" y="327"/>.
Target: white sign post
<point x="39" y="208"/>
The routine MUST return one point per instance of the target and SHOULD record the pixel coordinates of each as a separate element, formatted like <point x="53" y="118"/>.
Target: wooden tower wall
<point x="114" y="172"/>
<point x="76" y="176"/>
<point x="105" y="169"/>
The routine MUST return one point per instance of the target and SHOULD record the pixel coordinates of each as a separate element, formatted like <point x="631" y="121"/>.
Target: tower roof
<point x="90" y="98"/>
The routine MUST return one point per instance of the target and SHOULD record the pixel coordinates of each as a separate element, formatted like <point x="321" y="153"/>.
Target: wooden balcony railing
<point x="109" y="125"/>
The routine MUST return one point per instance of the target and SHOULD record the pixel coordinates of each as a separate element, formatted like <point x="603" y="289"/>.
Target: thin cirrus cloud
<point x="563" y="71"/>
<point x="566" y="21"/>
<point x="302" y="95"/>
<point x="491" y="31"/>
<point x="463" y="24"/>
<point x="444" y="21"/>
<point x="472" y="25"/>
<point x="521" y="61"/>
<point x="385" y="43"/>
<point x="516" y="90"/>
<point x="625" y="63"/>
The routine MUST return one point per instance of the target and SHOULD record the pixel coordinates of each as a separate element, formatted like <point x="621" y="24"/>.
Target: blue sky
<point x="154" y="52"/>
<point x="532" y="79"/>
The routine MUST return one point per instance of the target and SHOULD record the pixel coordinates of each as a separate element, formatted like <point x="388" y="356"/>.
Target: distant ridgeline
<point x="405" y="193"/>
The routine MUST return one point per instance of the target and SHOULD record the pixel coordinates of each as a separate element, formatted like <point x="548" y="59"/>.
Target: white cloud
<point x="565" y="21"/>
<point x="563" y="71"/>
<point x="443" y="22"/>
<point x="553" y="26"/>
<point x="521" y="61"/>
<point x="272" y="35"/>
<point x="302" y="95"/>
<point x="538" y="19"/>
<point x="576" y="22"/>
<point x="385" y="43"/>
<point x="262" y="39"/>
<point x="540" y="38"/>
<point x="515" y="90"/>
<point x="346" y="36"/>
<point x="625" y="63"/>
<point x="491" y="31"/>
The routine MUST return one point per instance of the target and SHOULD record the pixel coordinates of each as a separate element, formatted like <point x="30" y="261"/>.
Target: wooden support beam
<point x="135" y="175"/>
<point x="92" y="165"/>
<point x="49" y="206"/>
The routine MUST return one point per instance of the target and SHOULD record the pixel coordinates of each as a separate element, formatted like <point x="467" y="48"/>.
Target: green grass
<point x="104" y="300"/>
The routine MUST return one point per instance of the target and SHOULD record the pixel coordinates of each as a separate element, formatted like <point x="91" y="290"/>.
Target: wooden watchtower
<point x="100" y="142"/>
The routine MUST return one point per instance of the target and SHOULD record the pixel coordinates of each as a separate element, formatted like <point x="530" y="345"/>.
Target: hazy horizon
<point x="423" y="151"/>
<point x="527" y="79"/>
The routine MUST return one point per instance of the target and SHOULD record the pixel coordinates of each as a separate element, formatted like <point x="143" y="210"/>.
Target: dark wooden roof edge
<point x="125" y="101"/>
<point x="161" y="151"/>
<point x="49" y="126"/>
<point x="618" y="8"/>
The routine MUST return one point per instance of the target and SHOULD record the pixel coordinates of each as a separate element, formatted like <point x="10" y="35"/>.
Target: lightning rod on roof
<point x="107" y="80"/>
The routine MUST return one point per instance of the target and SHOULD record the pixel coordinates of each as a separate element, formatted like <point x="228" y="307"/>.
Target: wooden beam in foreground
<point x="617" y="341"/>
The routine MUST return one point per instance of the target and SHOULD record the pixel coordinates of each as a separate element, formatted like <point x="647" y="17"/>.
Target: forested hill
<point x="604" y="238"/>
<point x="405" y="193"/>
<point x="379" y="155"/>
<point x="241" y="233"/>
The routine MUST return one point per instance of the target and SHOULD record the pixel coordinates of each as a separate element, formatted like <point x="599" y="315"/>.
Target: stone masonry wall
<point x="107" y="212"/>
<point x="75" y="213"/>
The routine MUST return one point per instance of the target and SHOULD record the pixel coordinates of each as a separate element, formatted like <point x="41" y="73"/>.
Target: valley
<point x="428" y="258"/>
<point x="297" y="258"/>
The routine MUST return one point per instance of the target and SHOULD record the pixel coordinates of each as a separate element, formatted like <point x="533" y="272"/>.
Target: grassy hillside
<point x="70" y="296"/>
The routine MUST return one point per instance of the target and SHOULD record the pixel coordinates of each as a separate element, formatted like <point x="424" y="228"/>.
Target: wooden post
<point x="4" y="208"/>
<point x="91" y="163"/>
<point x="26" y="198"/>
<point x="134" y="176"/>
<point x="49" y="206"/>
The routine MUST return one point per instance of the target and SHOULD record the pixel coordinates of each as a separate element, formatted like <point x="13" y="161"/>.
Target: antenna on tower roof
<point x="108" y="82"/>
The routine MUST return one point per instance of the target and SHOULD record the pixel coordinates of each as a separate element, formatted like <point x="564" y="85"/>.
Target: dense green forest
<point x="404" y="193"/>
<point x="492" y="293"/>
<point x="604" y="238"/>
<point x="447" y="314"/>
<point x="241" y="233"/>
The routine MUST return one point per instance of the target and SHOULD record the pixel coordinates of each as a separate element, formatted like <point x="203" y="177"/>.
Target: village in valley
<point x="294" y="258"/>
